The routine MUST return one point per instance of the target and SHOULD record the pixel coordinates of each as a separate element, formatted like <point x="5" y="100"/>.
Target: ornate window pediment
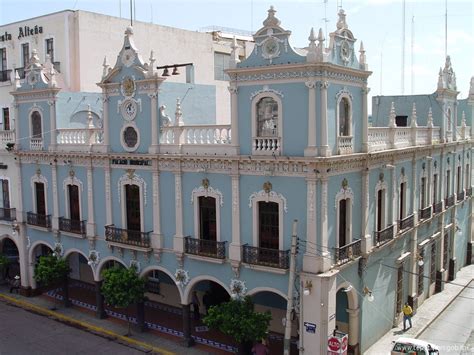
<point x="131" y="179"/>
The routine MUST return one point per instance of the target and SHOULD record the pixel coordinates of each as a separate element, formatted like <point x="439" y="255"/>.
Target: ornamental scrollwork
<point x="267" y="196"/>
<point x="132" y="179"/>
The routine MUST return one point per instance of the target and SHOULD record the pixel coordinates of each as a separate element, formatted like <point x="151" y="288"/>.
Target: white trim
<point x="195" y="280"/>
<point x="254" y="101"/>
<point x="381" y="186"/>
<point x="344" y="94"/>
<point x="207" y="192"/>
<point x="3" y="177"/>
<point x="129" y="179"/>
<point x="72" y="180"/>
<point x="41" y="179"/>
<point x="403" y="179"/>
<point x="264" y="196"/>
<point x="32" y="109"/>
<point x="344" y="194"/>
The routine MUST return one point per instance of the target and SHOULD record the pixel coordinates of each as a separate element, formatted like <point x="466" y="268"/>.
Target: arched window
<point x="267" y="117"/>
<point x="36" y="129"/>
<point x="344" y="117"/>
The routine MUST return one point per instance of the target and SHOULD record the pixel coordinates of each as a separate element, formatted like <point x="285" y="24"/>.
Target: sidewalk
<point x="426" y="313"/>
<point x="111" y="328"/>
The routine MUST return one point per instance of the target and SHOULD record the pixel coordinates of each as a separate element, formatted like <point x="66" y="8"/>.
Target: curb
<point x="102" y="332"/>
<point x="442" y="310"/>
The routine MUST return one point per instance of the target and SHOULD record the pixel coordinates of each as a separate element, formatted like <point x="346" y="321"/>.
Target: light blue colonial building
<point x="384" y="211"/>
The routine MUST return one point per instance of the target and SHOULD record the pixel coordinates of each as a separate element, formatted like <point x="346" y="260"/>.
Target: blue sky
<point x="378" y="23"/>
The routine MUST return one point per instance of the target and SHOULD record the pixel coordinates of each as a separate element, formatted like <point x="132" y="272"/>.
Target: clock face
<point x="271" y="48"/>
<point x="32" y="78"/>
<point x="345" y="51"/>
<point x="129" y="109"/>
<point x="128" y="57"/>
<point x="128" y="86"/>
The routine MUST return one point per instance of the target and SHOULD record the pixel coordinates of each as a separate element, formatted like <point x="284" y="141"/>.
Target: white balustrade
<point x="403" y="137"/>
<point x="7" y="137"/>
<point x="378" y="138"/>
<point x="344" y="145"/>
<point x="79" y="136"/>
<point x="266" y="145"/>
<point x="36" y="143"/>
<point x="196" y="135"/>
<point x="382" y="138"/>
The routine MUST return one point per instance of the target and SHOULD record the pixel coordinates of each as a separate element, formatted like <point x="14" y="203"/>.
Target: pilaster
<point x="311" y="149"/>
<point x="105" y="117"/>
<point x="235" y="246"/>
<point x="324" y="148"/>
<point x="54" y="175"/>
<point x="367" y="240"/>
<point x="310" y="258"/>
<point x="156" y="238"/>
<point x="52" y="123"/>
<point x="108" y="196"/>
<point x="234" y="118"/>
<point x="91" y="227"/>
<point x="365" y="119"/>
<point x="178" y="238"/>
<point x="153" y="149"/>
<point x="325" y="256"/>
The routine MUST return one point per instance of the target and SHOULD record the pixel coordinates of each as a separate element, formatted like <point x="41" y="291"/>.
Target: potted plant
<point x="238" y="319"/>
<point x="51" y="270"/>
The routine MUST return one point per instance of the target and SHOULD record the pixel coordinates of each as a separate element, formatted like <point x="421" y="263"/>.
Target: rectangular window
<point x="221" y="63"/>
<point x="3" y="59"/>
<point x="132" y="197"/>
<point x="435" y="188"/>
<point x="433" y="263"/>
<point x="445" y="251"/>
<point x="25" y="54"/>
<point x="6" y="118"/>
<point x="402" y="200"/>
<point x="399" y="288"/>
<point x="423" y="193"/>
<point x="268" y="225"/>
<point x="459" y="180"/>
<point x="421" y="275"/>
<point x="40" y="199"/>
<point x="448" y="183"/>
<point x="5" y="194"/>
<point x="207" y="218"/>
<point x="380" y="204"/>
<point x="342" y="223"/>
<point x="401" y="121"/>
<point x="50" y="49"/>
<point x="74" y="211"/>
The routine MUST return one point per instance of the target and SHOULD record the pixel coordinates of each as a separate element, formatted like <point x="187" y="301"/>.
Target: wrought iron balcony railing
<point x="127" y="237"/>
<point x="385" y="235"/>
<point x="39" y="220"/>
<point x="348" y="252"/>
<point x="72" y="226"/>
<point x="5" y="75"/>
<point x="438" y="207"/>
<point x="407" y="222"/>
<point x="425" y="213"/>
<point x="449" y="201"/>
<point x="461" y="195"/>
<point x="266" y="257"/>
<point x="203" y="247"/>
<point x="8" y="214"/>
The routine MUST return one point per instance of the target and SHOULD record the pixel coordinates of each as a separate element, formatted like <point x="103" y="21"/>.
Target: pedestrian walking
<point x="195" y="302"/>
<point x="407" y="314"/>
<point x="15" y="285"/>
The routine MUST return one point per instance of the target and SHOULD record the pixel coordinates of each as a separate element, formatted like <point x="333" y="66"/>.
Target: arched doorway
<point x="37" y="251"/>
<point x="161" y="288"/>
<point x="9" y="249"/>
<point x="80" y="269"/>
<point x="99" y="298"/>
<point x="347" y="315"/>
<point x="274" y="302"/>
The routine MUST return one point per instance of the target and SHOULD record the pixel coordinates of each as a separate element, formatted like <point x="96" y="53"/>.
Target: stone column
<point x="108" y="196"/>
<point x="18" y="141"/>
<point x="367" y="241"/>
<point x="99" y="298"/>
<point x="91" y="231"/>
<point x="354" y="329"/>
<point x="106" y="125"/>
<point x="178" y="238"/>
<point x="234" y="115"/>
<point x="156" y="237"/>
<point x="235" y="246"/>
<point x="153" y="149"/>
<point x="188" y="340"/>
<point x="52" y="122"/>
<point x="365" y="119"/>
<point x="310" y="257"/>
<point x="311" y="149"/>
<point x="324" y="148"/>
<point x="54" y="176"/>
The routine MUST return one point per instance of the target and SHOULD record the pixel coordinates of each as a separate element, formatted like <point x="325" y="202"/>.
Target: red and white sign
<point x="337" y="345"/>
<point x="344" y="343"/>
<point x="334" y="344"/>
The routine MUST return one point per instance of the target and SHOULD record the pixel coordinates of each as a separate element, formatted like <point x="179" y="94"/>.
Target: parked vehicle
<point x="414" y="347"/>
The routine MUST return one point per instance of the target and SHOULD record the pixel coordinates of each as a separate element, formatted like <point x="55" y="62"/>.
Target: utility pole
<point x="291" y="281"/>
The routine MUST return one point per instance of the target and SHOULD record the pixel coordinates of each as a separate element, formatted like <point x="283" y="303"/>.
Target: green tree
<point x="122" y="287"/>
<point x="238" y="319"/>
<point x="3" y="266"/>
<point x="51" y="270"/>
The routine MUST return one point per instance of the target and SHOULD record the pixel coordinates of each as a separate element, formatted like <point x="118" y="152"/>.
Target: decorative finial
<point x="440" y="79"/>
<point x="471" y="87"/>
<point x="430" y="118"/>
<point x="312" y="55"/>
<point x="341" y="22"/>
<point x="234" y="55"/>
<point x="105" y="66"/>
<point x="151" y="67"/>
<point x="271" y="20"/>
<point x="392" y="122"/>
<point x="362" y="57"/>
<point x="129" y="31"/>
<point x="413" y="116"/>
<point x="178" y="114"/>
<point x="17" y="83"/>
<point x="463" y="119"/>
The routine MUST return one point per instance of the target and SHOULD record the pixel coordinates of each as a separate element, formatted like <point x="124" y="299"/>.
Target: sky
<point x="378" y="23"/>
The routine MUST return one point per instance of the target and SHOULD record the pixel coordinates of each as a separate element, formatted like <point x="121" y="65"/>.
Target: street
<point x="27" y="333"/>
<point x="453" y="330"/>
